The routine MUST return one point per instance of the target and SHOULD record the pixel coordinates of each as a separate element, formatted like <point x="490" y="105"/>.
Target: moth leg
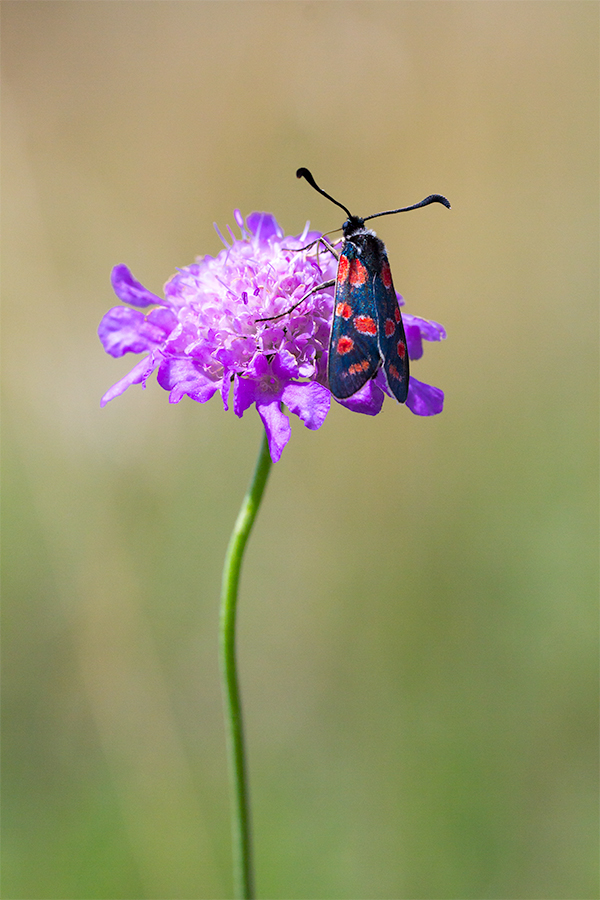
<point x="329" y="247"/>
<point x="319" y="287"/>
<point x="319" y="240"/>
<point x="301" y="249"/>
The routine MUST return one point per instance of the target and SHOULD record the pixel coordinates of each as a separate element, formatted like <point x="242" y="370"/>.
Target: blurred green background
<point x="418" y="609"/>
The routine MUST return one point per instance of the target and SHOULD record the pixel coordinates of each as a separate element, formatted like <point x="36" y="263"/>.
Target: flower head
<point x="207" y="335"/>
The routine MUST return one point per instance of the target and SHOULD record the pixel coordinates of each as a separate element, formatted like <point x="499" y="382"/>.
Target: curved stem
<point x="240" y="812"/>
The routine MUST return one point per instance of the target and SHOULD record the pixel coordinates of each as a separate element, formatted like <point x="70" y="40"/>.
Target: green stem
<point x="240" y="812"/>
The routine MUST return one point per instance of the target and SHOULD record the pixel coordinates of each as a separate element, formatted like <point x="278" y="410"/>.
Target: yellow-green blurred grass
<point x="417" y="619"/>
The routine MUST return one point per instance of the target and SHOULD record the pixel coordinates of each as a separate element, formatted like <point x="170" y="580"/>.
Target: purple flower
<point x="204" y="336"/>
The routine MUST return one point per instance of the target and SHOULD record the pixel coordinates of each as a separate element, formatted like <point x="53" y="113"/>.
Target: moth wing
<point x="392" y="338"/>
<point x="354" y="346"/>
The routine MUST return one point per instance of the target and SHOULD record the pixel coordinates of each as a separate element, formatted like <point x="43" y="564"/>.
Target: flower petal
<point x="163" y="319"/>
<point x="285" y="365"/>
<point x="225" y="388"/>
<point x="185" y="377"/>
<point x="424" y="399"/>
<point x="419" y="329"/>
<point x="258" y="365"/>
<point x="244" y="394"/>
<point x="309" y="401"/>
<point x="430" y="330"/>
<point x="277" y="425"/>
<point x="129" y="290"/>
<point x="368" y="400"/>
<point x="138" y="375"/>
<point x="414" y="341"/>
<point x="125" y="330"/>
<point x="263" y="226"/>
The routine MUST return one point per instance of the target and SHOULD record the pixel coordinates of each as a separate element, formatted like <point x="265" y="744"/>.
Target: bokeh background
<point x="418" y="610"/>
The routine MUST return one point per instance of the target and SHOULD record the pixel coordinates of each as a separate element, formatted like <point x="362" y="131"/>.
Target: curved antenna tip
<point x="306" y="173"/>
<point x="435" y="198"/>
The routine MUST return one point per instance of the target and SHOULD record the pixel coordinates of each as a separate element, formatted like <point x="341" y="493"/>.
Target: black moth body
<point x="367" y="332"/>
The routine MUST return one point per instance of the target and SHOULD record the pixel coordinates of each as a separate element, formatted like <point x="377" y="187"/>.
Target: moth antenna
<point x="433" y="198"/>
<point x="305" y="173"/>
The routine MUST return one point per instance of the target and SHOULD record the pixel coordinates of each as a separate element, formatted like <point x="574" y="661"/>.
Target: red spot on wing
<point x="343" y="268"/>
<point x="389" y="327"/>
<point x="394" y="372"/>
<point x="365" y="324"/>
<point x="344" y="345"/>
<point x="386" y="276"/>
<point x="397" y="314"/>
<point x="358" y="273"/>
<point x="343" y="310"/>
<point x="401" y="349"/>
<point x="358" y="367"/>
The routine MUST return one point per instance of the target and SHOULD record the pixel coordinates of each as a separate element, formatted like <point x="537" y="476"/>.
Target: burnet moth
<point x="367" y="331"/>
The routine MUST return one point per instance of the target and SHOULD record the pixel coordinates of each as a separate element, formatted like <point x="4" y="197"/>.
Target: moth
<point x="367" y="332"/>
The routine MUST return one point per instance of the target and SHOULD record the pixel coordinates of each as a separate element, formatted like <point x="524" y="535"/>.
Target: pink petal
<point x="277" y="426"/>
<point x="424" y="399"/>
<point x="309" y="401"/>
<point x="368" y="400"/>
<point x="138" y="375"/>
<point x="129" y="290"/>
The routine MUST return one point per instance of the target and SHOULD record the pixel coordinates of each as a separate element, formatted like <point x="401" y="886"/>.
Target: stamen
<point x="216" y="227"/>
